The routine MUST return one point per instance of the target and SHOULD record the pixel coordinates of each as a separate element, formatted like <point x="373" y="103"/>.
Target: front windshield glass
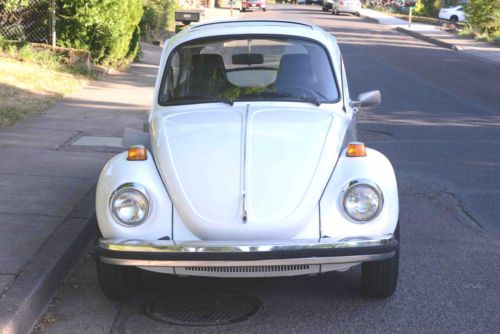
<point x="248" y="69"/>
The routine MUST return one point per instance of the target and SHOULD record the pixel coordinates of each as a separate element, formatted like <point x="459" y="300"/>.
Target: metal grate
<point x="25" y="21"/>
<point x="249" y="269"/>
<point x="203" y="308"/>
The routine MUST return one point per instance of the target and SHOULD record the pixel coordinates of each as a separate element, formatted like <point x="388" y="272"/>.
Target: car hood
<point x="246" y="172"/>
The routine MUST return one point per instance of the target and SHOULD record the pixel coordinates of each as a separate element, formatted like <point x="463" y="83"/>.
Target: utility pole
<point x="409" y="17"/>
<point x="53" y="22"/>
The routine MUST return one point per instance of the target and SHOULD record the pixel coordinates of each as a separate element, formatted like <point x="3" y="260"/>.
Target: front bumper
<point x="162" y="253"/>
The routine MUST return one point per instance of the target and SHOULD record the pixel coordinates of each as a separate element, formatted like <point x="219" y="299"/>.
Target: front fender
<point x="119" y="171"/>
<point x="375" y="167"/>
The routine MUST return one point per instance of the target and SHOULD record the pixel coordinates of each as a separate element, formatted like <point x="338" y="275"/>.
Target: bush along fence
<point x="108" y="29"/>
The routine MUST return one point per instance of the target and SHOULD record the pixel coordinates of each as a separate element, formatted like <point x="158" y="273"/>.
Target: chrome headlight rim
<point x="128" y="187"/>
<point x="359" y="183"/>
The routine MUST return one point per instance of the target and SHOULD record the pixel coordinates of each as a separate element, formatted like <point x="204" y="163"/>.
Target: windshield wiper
<point x="200" y="98"/>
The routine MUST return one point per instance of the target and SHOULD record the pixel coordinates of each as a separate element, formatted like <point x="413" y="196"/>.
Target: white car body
<point x="274" y="180"/>
<point x="346" y="6"/>
<point x="453" y="14"/>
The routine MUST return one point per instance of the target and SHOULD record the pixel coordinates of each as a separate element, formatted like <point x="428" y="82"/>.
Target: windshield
<point x="248" y="69"/>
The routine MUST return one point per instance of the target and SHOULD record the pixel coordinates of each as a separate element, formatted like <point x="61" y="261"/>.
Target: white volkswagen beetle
<point x="251" y="167"/>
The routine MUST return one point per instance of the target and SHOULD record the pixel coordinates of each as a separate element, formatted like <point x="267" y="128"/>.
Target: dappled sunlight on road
<point x="417" y="118"/>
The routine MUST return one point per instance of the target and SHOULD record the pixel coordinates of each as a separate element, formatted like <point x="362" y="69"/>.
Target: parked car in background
<point x="346" y="6"/>
<point x="251" y="167"/>
<point x="453" y="14"/>
<point x="247" y="4"/>
<point x="327" y="5"/>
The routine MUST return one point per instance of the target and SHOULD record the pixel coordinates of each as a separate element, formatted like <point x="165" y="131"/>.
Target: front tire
<point x="380" y="278"/>
<point x="454" y="19"/>
<point x="264" y="9"/>
<point x="118" y="282"/>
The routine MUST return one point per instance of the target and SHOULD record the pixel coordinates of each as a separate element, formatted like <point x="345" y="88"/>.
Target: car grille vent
<point x="249" y="269"/>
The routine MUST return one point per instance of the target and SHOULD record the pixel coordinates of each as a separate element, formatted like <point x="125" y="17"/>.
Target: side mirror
<point x="368" y="99"/>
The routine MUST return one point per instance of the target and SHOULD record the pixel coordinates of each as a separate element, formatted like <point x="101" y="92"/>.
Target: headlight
<point x="129" y="205"/>
<point x="362" y="201"/>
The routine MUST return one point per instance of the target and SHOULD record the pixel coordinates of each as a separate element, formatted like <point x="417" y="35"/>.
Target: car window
<point x="244" y="69"/>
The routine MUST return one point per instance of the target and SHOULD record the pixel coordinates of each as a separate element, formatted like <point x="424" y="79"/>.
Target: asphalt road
<point x="440" y="126"/>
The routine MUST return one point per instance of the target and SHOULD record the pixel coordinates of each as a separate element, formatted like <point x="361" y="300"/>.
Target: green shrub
<point x="134" y="45"/>
<point x="428" y="7"/>
<point x="104" y="27"/>
<point x="10" y="5"/>
<point x="158" y="18"/>
<point x="483" y="18"/>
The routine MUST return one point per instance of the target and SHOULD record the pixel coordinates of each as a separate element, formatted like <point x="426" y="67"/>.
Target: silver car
<point x="346" y="6"/>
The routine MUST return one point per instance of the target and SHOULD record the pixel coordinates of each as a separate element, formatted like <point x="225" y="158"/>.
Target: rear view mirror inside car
<point x="248" y="59"/>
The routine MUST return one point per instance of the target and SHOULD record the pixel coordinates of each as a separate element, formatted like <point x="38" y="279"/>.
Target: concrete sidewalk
<point x="49" y="166"/>
<point x="433" y="34"/>
<point x="217" y="14"/>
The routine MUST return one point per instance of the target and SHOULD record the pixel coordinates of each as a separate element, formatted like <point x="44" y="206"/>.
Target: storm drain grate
<point x="203" y="308"/>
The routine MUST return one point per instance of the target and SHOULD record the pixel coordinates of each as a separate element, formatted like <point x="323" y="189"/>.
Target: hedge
<point x="107" y="28"/>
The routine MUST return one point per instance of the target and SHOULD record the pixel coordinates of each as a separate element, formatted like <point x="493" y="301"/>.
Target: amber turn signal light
<point x="137" y="153"/>
<point x="356" y="149"/>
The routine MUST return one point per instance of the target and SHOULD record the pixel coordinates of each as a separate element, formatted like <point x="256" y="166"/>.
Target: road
<point x="440" y="126"/>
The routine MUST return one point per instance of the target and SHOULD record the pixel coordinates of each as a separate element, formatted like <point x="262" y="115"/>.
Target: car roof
<point x="254" y="23"/>
<point x="252" y="27"/>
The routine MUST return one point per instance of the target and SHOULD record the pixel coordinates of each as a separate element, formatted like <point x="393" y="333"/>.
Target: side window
<point x="172" y="75"/>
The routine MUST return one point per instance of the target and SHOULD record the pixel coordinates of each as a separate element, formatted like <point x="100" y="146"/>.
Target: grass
<point x="33" y="79"/>
<point x="492" y="39"/>
<point x="460" y="29"/>
<point x="28" y="87"/>
<point x="419" y="19"/>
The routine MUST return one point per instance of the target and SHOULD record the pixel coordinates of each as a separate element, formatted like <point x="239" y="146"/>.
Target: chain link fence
<point x="27" y="21"/>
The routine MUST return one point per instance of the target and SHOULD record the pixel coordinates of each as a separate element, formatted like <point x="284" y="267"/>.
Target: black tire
<point x="118" y="282"/>
<point x="380" y="278"/>
<point x="324" y="9"/>
<point x="264" y="9"/>
<point x="454" y="19"/>
<point x="335" y="12"/>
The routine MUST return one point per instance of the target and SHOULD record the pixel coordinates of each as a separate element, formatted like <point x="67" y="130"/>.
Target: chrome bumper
<point x="264" y="253"/>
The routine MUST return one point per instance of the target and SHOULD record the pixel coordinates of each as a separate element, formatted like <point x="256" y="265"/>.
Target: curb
<point x="418" y="35"/>
<point x="368" y="18"/>
<point x="429" y="39"/>
<point x="27" y="297"/>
